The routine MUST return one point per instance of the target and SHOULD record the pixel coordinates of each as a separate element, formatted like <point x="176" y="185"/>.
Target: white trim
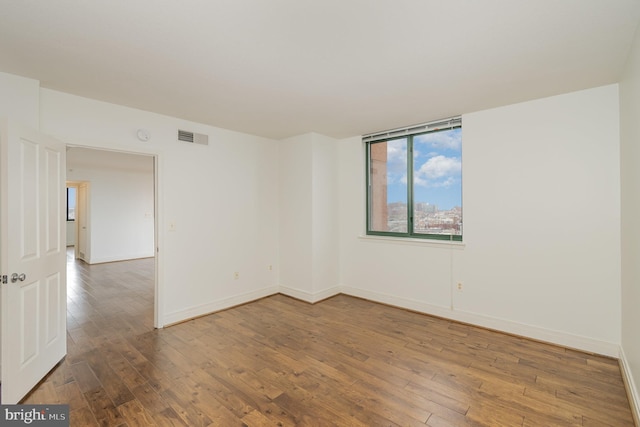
<point x="450" y="123"/>
<point x="158" y="207"/>
<point x="413" y="241"/>
<point x="222" y="304"/>
<point x="125" y="257"/>
<point x="630" y="386"/>
<point x="533" y="332"/>
<point x="527" y="331"/>
<point x="308" y="296"/>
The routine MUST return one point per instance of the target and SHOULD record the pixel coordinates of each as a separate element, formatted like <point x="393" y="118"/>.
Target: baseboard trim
<point x="221" y="304"/>
<point x="309" y="297"/>
<point x="630" y="385"/>
<point x="532" y="332"/>
<point x="119" y="258"/>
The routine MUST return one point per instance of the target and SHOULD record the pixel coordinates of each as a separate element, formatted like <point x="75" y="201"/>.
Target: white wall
<point x="121" y="208"/>
<point x="630" y="189"/>
<point x="222" y="199"/>
<point x="542" y="214"/>
<point x="71" y="233"/>
<point x="295" y="229"/>
<point x="19" y="99"/>
<point x="308" y="217"/>
<point x="324" y="217"/>
<point x="541" y="244"/>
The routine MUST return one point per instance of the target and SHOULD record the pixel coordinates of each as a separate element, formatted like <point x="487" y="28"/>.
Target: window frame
<point x="67" y="210"/>
<point x="409" y="136"/>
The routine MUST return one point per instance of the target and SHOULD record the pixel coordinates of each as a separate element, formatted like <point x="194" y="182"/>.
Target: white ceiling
<point x="279" y="68"/>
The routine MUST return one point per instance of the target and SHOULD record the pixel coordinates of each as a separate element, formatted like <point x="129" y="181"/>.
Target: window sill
<point x="414" y="241"/>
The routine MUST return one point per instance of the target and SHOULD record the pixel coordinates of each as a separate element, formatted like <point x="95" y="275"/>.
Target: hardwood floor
<point x="279" y="361"/>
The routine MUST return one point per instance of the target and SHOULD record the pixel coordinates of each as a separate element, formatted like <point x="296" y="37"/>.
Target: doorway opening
<point x="113" y="216"/>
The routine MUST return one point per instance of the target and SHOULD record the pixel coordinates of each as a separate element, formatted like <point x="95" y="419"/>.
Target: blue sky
<point x="437" y="169"/>
<point x="71" y="201"/>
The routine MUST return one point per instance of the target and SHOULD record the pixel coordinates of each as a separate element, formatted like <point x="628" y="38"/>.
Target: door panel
<point x="28" y="233"/>
<point x="54" y="208"/>
<point x="53" y="316"/>
<point x="28" y="323"/>
<point x="31" y="235"/>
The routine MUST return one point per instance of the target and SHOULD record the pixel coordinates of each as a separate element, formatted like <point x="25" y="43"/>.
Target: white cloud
<point x="397" y="160"/>
<point x="438" y="171"/>
<point x="441" y="140"/>
<point x="439" y="166"/>
<point x="420" y="181"/>
<point x="397" y="150"/>
<point x="446" y="183"/>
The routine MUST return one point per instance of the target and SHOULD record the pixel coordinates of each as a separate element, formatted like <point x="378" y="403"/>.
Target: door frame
<point x="158" y="311"/>
<point x="82" y="190"/>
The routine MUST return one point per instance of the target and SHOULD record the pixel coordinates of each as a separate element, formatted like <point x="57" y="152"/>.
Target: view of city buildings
<point x="427" y="219"/>
<point x="422" y="173"/>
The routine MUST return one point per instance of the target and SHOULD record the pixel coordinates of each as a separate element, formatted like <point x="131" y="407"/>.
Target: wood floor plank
<point x="488" y="413"/>
<point x="44" y="394"/>
<point x="458" y="403"/>
<point x="110" y="381"/>
<point x="168" y="418"/>
<point x="135" y="415"/>
<point x="85" y="377"/>
<point x="182" y="405"/>
<point x="82" y="416"/>
<point x="71" y="395"/>
<point x="605" y="413"/>
<point x="256" y="418"/>
<point x="278" y="361"/>
<point x="237" y="395"/>
<point x="149" y="398"/>
<point x="127" y="373"/>
<point x="102" y="407"/>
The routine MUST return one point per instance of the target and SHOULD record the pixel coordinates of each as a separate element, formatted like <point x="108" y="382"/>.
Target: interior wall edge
<point x="309" y="296"/>
<point x="630" y="386"/>
<point x="217" y="305"/>
<point x="122" y="257"/>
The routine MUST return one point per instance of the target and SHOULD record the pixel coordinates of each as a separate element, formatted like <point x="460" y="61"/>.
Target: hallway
<point x="108" y="300"/>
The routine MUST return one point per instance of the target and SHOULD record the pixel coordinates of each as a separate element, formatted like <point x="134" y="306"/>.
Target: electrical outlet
<point x="460" y="287"/>
<point x="270" y="267"/>
<point x="236" y="275"/>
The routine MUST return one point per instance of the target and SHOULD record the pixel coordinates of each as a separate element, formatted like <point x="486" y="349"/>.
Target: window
<point x="71" y="203"/>
<point x="414" y="181"/>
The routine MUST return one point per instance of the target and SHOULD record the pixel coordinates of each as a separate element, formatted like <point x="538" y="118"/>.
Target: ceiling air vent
<point x="195" y="138"/>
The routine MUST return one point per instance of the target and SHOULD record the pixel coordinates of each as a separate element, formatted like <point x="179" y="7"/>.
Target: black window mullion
<point x="67" y="203"/>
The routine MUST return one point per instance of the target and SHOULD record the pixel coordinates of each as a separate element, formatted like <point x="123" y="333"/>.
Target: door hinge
<point x="4" y="279"/>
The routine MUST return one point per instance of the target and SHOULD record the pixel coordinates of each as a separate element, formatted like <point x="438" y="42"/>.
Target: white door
<point x="32" y="256"/>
